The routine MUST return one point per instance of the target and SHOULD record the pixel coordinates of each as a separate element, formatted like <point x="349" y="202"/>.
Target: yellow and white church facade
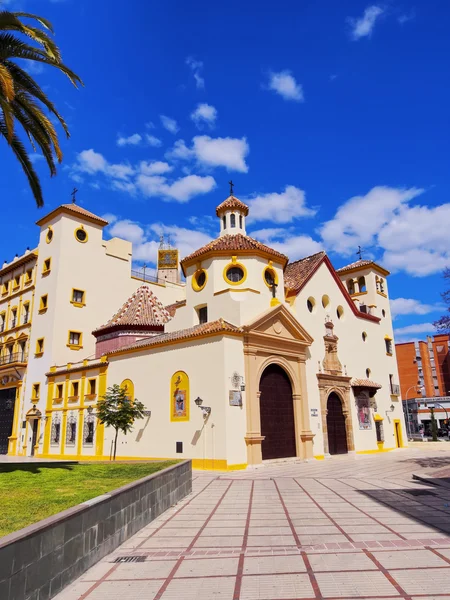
<point x="250" y="358"/>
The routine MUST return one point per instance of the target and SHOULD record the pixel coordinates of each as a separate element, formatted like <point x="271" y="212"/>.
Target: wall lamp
<point x="206" y="410"/>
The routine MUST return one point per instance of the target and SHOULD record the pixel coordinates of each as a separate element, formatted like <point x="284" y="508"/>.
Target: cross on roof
<point x="74" y="192"/>
<point x="231" y="186"/>
<point x="360" y="252"/>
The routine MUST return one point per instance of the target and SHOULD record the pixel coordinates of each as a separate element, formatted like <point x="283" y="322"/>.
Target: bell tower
<point x="168" y="261"/>
<point x="232" y="213"/>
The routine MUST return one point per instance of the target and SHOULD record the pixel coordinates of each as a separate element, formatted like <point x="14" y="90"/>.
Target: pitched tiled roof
<point x="234" y="243"/>
<point x="296" y="273"/>
<point x="231" y="203"/>
<point x="365" y="383"/>
<point x="355" y="265"/>
<point x="76" y="210"/>
<point x="214" y="327"/>
<point x="142" y="309"/>
<point x="172" y="308"/>
<point x="359" y="264"/>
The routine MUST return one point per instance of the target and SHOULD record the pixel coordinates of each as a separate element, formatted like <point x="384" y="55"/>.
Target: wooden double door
<point x="337" y="432"/>
<point x="7" y="401"/>
<point x="277" y="414"/>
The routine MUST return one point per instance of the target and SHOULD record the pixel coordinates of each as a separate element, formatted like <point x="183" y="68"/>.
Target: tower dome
<point x="232" y="213"/>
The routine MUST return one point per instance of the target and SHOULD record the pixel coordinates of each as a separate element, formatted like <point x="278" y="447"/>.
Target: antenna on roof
<point x="161" y="241"/>
<point x="360" y="252"/>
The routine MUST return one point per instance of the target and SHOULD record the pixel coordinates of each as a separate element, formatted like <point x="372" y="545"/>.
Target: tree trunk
<point x="115" y="444"/>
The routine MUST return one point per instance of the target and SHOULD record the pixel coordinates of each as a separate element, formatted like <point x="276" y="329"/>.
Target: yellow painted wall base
<point x="320" y="457"/>
<point x="197" y="463"/>
<point x="377" y="451"/>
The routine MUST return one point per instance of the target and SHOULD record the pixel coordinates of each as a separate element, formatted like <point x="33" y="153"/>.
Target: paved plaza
<point x="345" y="528"/>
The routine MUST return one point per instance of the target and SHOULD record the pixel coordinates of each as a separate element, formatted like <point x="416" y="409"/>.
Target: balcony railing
<point x="15" y="357"/>
<point x="146" y="277"/>
<point x="395" y="389"/>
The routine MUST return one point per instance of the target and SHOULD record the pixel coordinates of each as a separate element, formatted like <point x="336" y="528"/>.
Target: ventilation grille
<point x="128" y="559"/>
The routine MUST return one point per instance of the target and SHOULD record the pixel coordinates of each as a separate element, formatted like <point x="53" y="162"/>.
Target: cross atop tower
<point x="231" y="186"/>
<point x="360" y="252"/>
<point x="74" y="193"/>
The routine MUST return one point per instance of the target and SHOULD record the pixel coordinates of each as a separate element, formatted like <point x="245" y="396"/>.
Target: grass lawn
<point x="29" y="493"/>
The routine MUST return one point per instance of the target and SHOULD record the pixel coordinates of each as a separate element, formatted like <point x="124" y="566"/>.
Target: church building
<point x="250" y="358"/>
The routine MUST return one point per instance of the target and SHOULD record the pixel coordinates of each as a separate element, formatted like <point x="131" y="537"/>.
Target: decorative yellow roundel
<point x="235" y="273"/>
<point x="49" y="236"/>
<point x="270" y="277"/>
<point x="81" y="235"/>
<point x="199" y="280"/>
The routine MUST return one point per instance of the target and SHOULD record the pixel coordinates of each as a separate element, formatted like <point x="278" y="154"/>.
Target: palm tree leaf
<point x="44" y="22"/>
<point x="42" y="38"/>
<point x="25" y="82"/>
<point x="8" y="117"/>
<point x="22" y="155"/>
<point x="6" y="83"/>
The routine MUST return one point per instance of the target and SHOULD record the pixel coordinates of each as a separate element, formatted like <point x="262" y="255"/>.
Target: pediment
<point x="279" y="322"/>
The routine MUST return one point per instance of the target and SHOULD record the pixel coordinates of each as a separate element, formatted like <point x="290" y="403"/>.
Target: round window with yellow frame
<point x="270" y="276"/>
<point x="199" y="279"/>
<point x="81" y="235"/>
<point x="235" y="273"/>
<point x="49" y="236"/>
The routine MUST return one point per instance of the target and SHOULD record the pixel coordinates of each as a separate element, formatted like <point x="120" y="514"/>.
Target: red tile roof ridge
<point x="232" y="203"/>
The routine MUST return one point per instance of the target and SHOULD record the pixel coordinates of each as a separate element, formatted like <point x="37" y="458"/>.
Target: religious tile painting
<point x="179" y="397"/>
<point x="363" y="407"/>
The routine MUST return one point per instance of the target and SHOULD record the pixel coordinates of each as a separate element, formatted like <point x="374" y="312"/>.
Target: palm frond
<point x="26" y="83"/>
<point x="6" y="83"/>
<point x="8" y="116"/>
<point x="22" y="155"/>
<point x="44" y="22"/>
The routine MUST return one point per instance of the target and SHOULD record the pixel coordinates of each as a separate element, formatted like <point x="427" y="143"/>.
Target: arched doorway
<point x="337" y="434"/>
<point x="277" y="414"/>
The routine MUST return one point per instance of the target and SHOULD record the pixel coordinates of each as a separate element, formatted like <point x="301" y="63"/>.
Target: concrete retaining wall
<point x="38" y="561"/>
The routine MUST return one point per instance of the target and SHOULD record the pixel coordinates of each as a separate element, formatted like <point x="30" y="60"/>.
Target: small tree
<point x="443" y="324"/>
<point x="117" y="410"/>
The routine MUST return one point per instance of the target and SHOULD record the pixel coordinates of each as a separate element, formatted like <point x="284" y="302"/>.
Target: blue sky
<point x="332" y="119"/>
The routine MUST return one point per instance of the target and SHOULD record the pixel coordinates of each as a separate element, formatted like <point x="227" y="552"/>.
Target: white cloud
<point x="411" y="306"/>
<point x="110" y="217"/>
<point x="32" y="67"/>
<point x="196" y="67"/>
<point x="213" y="152"/>
<point x="186" y="240"/>
<point x="169" y="124"/>
<point x="416" y="328"/>
<point x="179" y="151"/>
<point x="405" y="17"/>
<point x="91" y="162"/>
<point x="149" y="178"/>
<point x="153" y="140"/>
<point x="222" y="152"/>
<point x="35" y="157"/>
<point x="181" y="190"/>
<point x="286" y="241"/>
<point x="284" y="84"/>
<point x="363" y="26"/>
<point x="361" y="218"/>
<point x="156" y="167"/>
<point x="281" y="207"/>
<point x="132" y="140"/>
<point x="127" y="230"/>
<point x="204" y="114"/>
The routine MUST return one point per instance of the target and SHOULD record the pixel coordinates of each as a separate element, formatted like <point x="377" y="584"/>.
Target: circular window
<point x="199" y="280"/>
<point x="383" y="312"/>
<point x="339" y="312"/>
<point x="325" y="301"/>
<point x="270" y="277"/>
<point x="310" y="303"/>
<point x="368" y="371"/>
<point x="235" y="274"/>
<point x="364" y="336"/>
<point x="49" y="236"/>
<point x="81" y="234"/>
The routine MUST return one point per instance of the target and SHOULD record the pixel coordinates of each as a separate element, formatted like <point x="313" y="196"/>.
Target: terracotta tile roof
<point x="234" y="243"/>
<point x="365" y="383"/>
<point x="172" y="308"/>
<point x="355" y="265"/>
<point x="296" y="273"/>
<point x="232" y="203"/>
<point x="142" y="309"/>
<point x="214" y="327"/>
<point x="76" y="210"/>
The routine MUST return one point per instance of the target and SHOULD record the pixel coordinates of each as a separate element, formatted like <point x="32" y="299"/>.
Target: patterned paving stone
<point x="409" y="559"/>
<point x="363" y="583"/>
<point x="355" y="561"/>
<point x="199" y="589"/>
<point x="257" y="565"/>
<point x="276" y="587"/>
